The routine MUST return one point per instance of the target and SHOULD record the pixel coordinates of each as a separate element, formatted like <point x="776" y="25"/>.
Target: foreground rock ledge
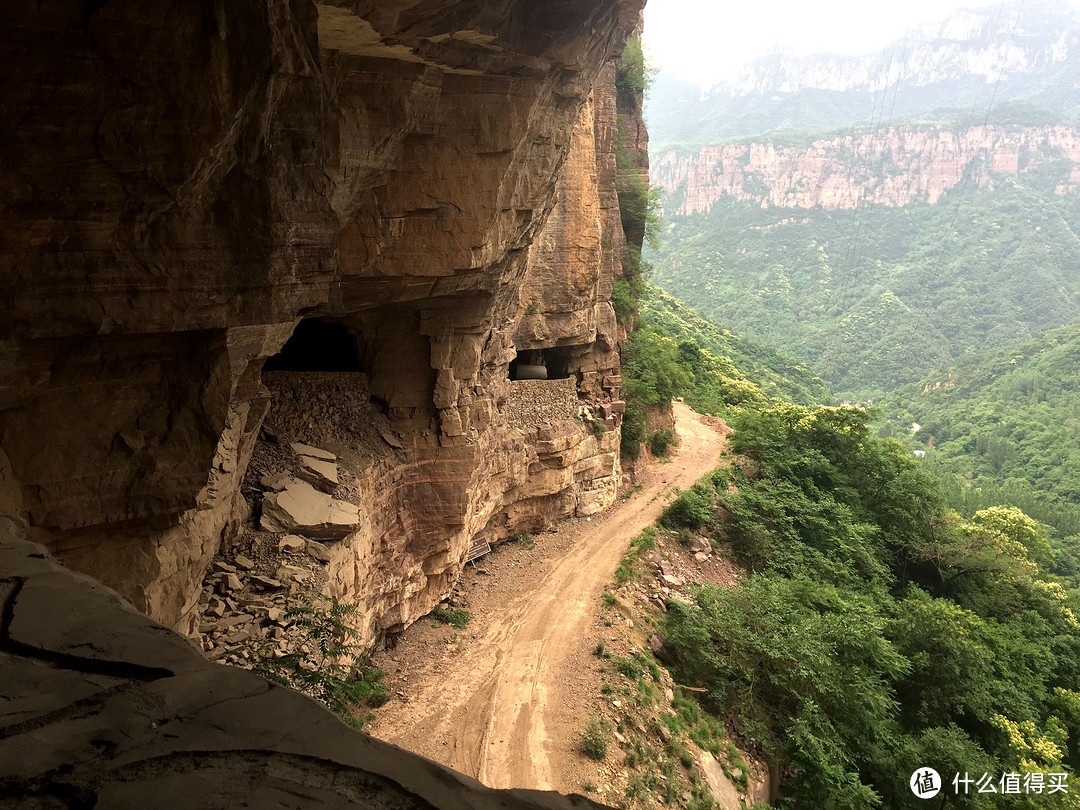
<point x="103" y="707"/>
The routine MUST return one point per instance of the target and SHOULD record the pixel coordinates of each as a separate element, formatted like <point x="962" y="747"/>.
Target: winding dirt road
<point x="490" y="708"/>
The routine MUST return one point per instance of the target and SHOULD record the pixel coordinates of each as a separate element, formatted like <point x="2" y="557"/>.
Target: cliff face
<point x="897" y="167"/>
<point x="103" y="707"/>
<point x="183" y="189"/>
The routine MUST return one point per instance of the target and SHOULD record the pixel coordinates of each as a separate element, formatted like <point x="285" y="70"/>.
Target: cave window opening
<point x="317" y="345"/>
<point x="541" y="364"/>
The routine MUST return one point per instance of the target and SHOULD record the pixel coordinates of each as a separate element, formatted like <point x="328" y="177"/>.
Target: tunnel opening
<point x="317" y="345"/>
<point x="541" y="364"/>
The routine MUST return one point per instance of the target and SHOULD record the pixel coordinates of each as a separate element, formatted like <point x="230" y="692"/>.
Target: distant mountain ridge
<point x="993" y="42"/>
<point x="976" y="65"/>
<point x="873" y="248"/>
<point x="894" y="167"/>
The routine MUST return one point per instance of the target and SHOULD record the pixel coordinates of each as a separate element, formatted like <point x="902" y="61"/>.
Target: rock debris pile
<point x="246" y="597"/>
<point x="281" y="563"/>
<point x="671" y="573"/>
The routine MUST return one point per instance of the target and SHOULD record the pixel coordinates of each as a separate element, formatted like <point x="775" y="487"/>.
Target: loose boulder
<point x="301" y="509"/>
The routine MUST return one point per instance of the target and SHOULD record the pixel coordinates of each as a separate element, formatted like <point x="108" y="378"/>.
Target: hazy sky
<point x="705" y="40"/>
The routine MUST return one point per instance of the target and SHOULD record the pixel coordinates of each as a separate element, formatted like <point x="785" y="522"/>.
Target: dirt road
<point x="501" y="706"/>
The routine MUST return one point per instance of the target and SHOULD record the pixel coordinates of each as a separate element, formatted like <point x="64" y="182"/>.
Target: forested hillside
<point x="881" y="297"/>
<point x="909" y="584"/>
<point x="878" y="216"/>
<point x="875" y="631"/>
<point x="1003" y="427"/>
<point x="775" y="373"/>
<point x="883" y="621"/>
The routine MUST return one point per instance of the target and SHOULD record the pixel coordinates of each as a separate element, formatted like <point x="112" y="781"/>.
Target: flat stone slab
<point x="292" y="544"/>
<point x="276" y="482"/>
<point x="302" y="509"/>
<point x="722" y="789"/>
<point x="318" y="473"/>
<point x="392" y="440"/>
<point x="302" y="449"/>
<point x="318" y="551"/>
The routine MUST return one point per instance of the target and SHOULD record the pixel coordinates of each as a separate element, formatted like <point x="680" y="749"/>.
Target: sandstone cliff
<point x="183" y="189"/>
<point x="895" y="167"/>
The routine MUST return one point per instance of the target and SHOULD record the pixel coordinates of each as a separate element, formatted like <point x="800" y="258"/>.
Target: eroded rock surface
<point x="921" y="163"/>
<point x="104" y="707"/>
<point x="183" y="188"/>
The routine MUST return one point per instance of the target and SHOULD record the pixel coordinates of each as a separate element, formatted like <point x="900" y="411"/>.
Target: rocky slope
<point x="431" y="188"/>
<point x="103" y="707"/>
<point x="895" y="167"/>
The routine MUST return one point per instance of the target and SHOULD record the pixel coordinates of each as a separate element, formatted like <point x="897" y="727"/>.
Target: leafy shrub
<point x="594" y="740"/>
<point x="628" y="290"/>
<point x="524" y="539"/>
<point x="638" y="788"/>
<point x="634" y="428"/>
<point x="624" y="302"/>
<point x="630" y="667"/>
<point x="661" y="441"/>
<point x="639" y="208"/>
<point x="633" y="75"/>
<point x="806" y="665"/>
<point x="652" y="376"/>
<point x="646" y="693"/>
<point x="456" y="618"/>
<point x="692" y="509"/>
<point x="671" y="782"/>
<point x="646" y="541"/>
<point x="329" y="666"/>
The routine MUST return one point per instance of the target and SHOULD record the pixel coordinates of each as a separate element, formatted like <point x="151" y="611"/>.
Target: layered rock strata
<point x="183" y="188"/>
<point x="896" y="167"/>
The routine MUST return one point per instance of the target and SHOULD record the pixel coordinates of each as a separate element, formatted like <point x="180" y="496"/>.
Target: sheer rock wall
<point x="897" y="167"/>
<point x="183" y="188"/>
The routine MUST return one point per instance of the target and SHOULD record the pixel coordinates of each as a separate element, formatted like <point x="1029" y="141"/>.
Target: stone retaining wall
<point x="535" y="403"/>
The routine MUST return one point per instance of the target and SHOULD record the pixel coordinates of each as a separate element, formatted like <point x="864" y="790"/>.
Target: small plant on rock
<point x="456" y="618"/>
<point x="594" y="741"/>
<point x="525" y="540"/>
<point x="328" y="665"/>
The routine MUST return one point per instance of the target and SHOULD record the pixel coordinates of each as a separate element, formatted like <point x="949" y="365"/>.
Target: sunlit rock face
<point x="911" y="164"/>
<point x="182" y="188"/>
